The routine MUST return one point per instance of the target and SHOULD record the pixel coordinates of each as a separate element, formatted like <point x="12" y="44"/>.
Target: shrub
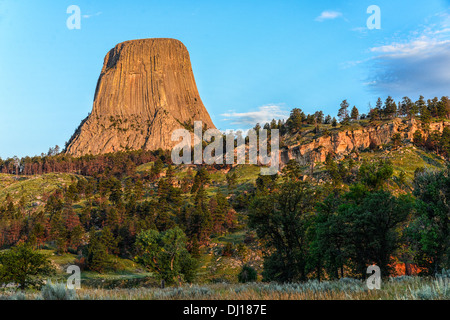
<point x="57" y="291"/>
<point x="228" y="250"/>
<point x="15" y="296"/>
<point x="247" y="274"/>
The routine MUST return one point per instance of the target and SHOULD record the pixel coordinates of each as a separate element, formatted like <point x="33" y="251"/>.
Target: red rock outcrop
<point x="146" y="90"/>
<point x="344" y="142"/>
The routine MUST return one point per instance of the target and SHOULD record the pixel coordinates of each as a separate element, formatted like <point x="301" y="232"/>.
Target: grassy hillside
<point x="34" y="189"/>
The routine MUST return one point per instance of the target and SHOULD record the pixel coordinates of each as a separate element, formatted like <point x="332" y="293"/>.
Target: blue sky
<point x="252" y="60"/>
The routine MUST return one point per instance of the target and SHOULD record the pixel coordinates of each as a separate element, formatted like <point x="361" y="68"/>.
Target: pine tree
<point x="343" y="111"/>
<point x="115" y="187"/>
<point x="295" y="120"/>
<point x="157" y="167"/>
<point x="406" y="107"/>
<point x="58" y="231"/>
<point x="390" y="107"/>
<point x="218" y="207"/>
<point x="201" y="217"/>
<point x="443" y="108"/>
<point x="231" y="180"/>
<point x="379" y="108"/>
<point x="446" y="107"/>
<point x="374" y="116"/>
<point x="319" y="116"/>
<point x="355" y="113"/>
<point x="138" y="189"/>
<point x="422" y="109"/>
<point x="433" y="106"/>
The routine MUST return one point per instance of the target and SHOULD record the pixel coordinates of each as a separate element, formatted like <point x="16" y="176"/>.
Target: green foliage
<point x="390" y="108"/>
<point x="99" y="252"/>
<point x="343" y="112"/>
<point x="282" y="218"/>
<point x="57" y="291"/>
<point x="430" y="230"/>
<point x="370" y="221"/>
<point x="115" y="188"/>
<point x="219" y="208"/>
<point x="291" y="171"/>
<point x="396" y="139"/>
<point x="24" y="266"/>
<point x="355" y="113"/>
<point x="375" y="175"/>
<point x="157" y="167"/>
<point x="336" y="172"/>
<point x="444" y="142"/>
<point x="356" y="229"/>
<point x="418" y="138"/>
<point x="165" y="253"/>
<point x="266" y="183"/>
<point x="295" y="120"/>
<point x="231" y="180"/>
<point x="201" y="179"/>
<point x="247" y="274"/>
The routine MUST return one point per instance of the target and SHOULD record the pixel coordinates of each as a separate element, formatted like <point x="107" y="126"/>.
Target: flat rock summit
<point x="146" y="90"/>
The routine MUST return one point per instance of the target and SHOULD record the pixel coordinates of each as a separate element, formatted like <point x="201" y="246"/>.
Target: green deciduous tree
<point x="430" y="230"/>
<point x="370" y="227"/>
<point x="165" y="253"/>
<point x="281" y="218"/>
<point x="24" y="266"/>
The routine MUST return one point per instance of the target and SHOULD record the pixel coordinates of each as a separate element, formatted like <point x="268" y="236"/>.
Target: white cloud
<point x="328" y="15"/>
<point x="419" y="65"/>
<point x="362" y="30"/>
<point x="419" y="47"/>
<point x="87" y="16"/>
<point x="263" y="115"/>
<point x="349" y="64"/>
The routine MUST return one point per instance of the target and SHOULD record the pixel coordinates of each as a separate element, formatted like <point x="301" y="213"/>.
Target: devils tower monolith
<point x="146" y="90"/>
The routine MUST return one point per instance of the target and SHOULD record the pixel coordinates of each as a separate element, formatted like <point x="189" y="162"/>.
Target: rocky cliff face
<point x="344" y="142"/>
<point x="146" y="90"/>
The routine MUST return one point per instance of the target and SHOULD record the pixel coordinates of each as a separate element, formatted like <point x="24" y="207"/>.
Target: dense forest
<point x="307" y="230"/>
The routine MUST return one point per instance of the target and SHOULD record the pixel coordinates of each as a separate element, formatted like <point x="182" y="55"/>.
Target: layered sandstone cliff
<point x="344" y="142"/>
<point x="146" y="90"/>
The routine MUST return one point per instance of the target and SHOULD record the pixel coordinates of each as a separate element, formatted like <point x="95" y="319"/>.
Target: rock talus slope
<point x="146" y="90"/>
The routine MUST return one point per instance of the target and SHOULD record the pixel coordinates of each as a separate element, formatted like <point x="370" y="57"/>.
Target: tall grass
<point x="399" y="288"/>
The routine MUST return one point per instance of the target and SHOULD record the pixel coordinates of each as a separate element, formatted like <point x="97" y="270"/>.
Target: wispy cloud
<point x="361" y="32"/>
<point x="328" y="15"/>
<point x="87" y="16"/>
<point x="263" y="115"/>
<point x="418" y="65"/>
<point x="349" y="64"/>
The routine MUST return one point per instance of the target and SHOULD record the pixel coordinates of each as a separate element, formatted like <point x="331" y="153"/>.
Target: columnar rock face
<point x="344" y="142"/>
<point x="145" y="91"/>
